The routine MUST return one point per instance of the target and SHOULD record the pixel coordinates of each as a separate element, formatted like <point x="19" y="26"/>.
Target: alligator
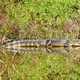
<point x="24" y="45"/>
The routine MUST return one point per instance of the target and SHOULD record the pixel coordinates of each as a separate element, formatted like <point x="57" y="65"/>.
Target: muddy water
<point x="10" y="60"/>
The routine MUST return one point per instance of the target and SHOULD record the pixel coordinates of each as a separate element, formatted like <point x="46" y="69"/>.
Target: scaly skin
<point x="25" y="45"/>
<point x="35" y="44"/>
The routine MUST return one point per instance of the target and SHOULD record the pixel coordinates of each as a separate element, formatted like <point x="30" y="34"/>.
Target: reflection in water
<point x="37" y="50"/>
<point x="50" y="50"/>
<point x="60" y="49"/>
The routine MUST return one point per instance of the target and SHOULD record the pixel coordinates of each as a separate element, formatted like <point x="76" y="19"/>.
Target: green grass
<point x="38" y="19"/>
<point x="39" y="66"/>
